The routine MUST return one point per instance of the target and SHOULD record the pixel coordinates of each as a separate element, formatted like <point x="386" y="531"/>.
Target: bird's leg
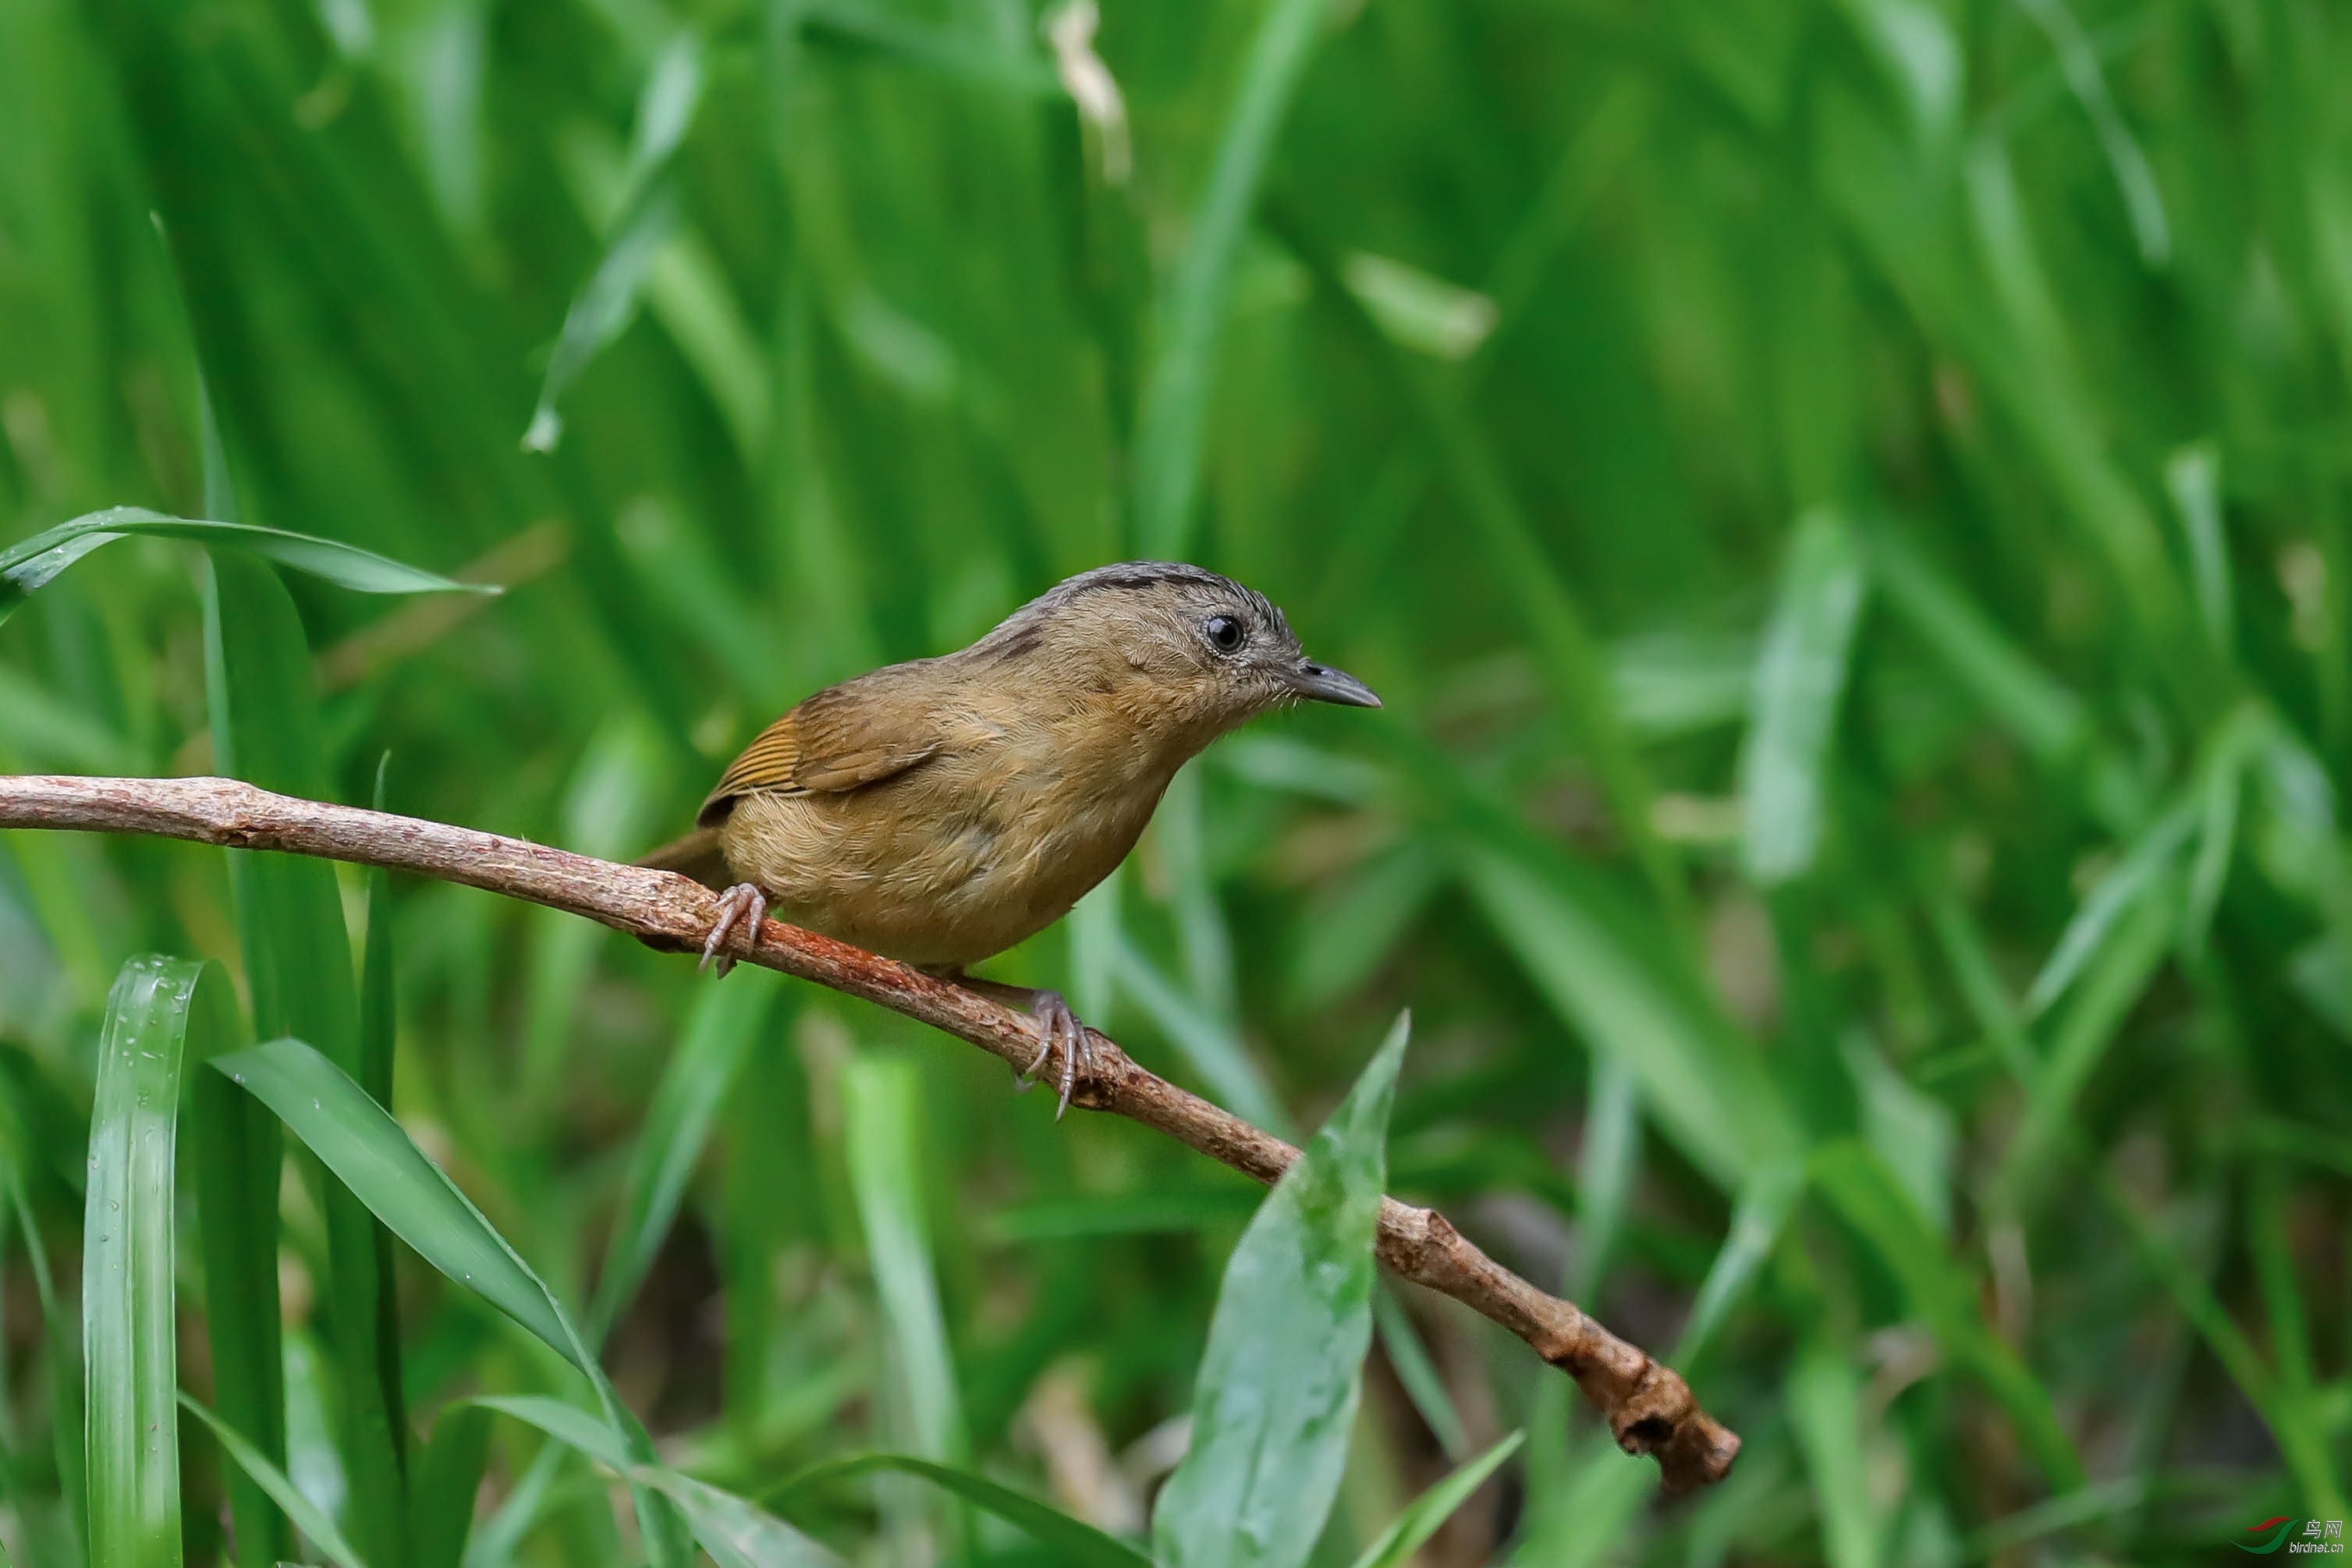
<point x="742" y="904"/>
<point x="1056" y="1026"/>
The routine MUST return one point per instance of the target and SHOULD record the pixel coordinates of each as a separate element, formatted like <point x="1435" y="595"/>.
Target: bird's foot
<point x="1058" y="1026"/>
<point x="1057" y="1023"/>
<point x="1057" y="1029"/>
<point x="742" y="905"/>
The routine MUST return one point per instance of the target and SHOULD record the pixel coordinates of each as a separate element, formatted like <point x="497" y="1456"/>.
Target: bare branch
<point x="1648" y="1405"/>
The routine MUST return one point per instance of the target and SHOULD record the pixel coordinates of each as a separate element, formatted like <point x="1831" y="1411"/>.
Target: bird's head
<point x="1189" y="651"/>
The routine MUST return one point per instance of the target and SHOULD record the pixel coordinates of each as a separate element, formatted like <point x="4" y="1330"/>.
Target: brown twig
<point x="1648" y="1405"/>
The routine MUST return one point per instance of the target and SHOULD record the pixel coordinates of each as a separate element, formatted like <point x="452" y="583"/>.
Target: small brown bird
<point x="942" y="810"/>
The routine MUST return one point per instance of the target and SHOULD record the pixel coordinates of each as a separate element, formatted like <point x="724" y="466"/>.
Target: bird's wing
<point x="844" y="737"/>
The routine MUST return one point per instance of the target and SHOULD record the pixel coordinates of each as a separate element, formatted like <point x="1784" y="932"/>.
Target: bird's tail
<point x="697" y="855"/>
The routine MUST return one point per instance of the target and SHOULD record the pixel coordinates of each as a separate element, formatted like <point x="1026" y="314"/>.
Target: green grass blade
<point x="376" y="1160"/>
<point x="606" y="811"/>
<point x="128" y="1291"/>
<point x="1706" y="1087"/>
<point x="378" y="1031"/>
<point x="1824" y="1399"/>
<point x="2301" y="1440"/>
<point x="1069" y="1540"/>
<point x="1214" y="1052"/>
<point x="1587" y="1522"/>
<point x="648" y="214"/>
<point x="883" y="1142"/>
<point x="1424" y="1384"/>
<point x="1423" y="1517"/>
<point x="2078" y="57"/>
<point x="65" y="1375"/>
<point x="371" y="1155"/>
<point x="235" y="1154"/>
<point x="1202" y="939"/>
<point x="47" y="731"/>
<point x="265" y="729"/>
<point x="1766" y="1201"/>
<point x="534" y="1493"/>
<point x="282" y="1492"/>
<point x="1605" y="1168"/>
<point x="726" y="1027"/>
<point x="737" y="1533"/>
<point x="1857" y="1184"/>
<point x="1557" y="623"/>
<point x="31" y="565"/>
<point x="2046" y="718"/>
<point x="1801" y="676"/>
<point x="1276" y="1395"/>
<point x="2143" y="873"/>
<point x="2298" y="1422"/>
<point x="1189" y="316"/>
<point x="2193" y="477"/>
<point x="603" y="307"/>
<point x="2082" y="1036"/>
<point x="765" y="1150"/>
<point x="1160" y="1210"/>
<point x="690" y="296"/>
<point x="859" y="27"/>
<point x="443" y="1485"/>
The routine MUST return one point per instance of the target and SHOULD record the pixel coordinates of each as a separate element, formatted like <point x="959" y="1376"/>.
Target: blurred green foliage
<point x="1846" y="503"/>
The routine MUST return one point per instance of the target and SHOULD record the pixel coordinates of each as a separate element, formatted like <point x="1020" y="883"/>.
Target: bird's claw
<point x="1057" y="1025"/>
<point x="741" y="905"/>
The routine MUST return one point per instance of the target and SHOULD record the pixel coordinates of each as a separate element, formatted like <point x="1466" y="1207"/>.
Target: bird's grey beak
<point x="1322" y="683"/>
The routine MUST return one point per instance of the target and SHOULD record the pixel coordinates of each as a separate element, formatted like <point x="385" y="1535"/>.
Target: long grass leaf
<point x="1852" y="1179"/>
<point x="2140" y="874"/>
<point x="722" y="1032"/>
<point x="1765" y="1202"/>
<point x="1824" y="1399"/>
<point x="129" y="1279"/>
<point x="1212" y="1049"/>
<point x="2084" y="1034"/>
<point x="266" y="730"/>
<point x="1586" y="1523"/>
<point x="883" y="1140"/>
<point x="1800" y="675"/>
<point x="1423" y="1383"/>
<point x="379" y="1034"/>
<point x="443" y="1485"/>
<point x="369" y="1155"/>
<point x="376" y="1160"/>
<point x="1190" y="315"/>
<point x="1278" y="1384"/>
<point x="1070" y="1540"/>
<point x="648" y="212"/>
<point x="1703" y="1085"/>
<point x="234" y="1158"/>
<point x="2193" y="477"/>
<point x="2079" y="60"/>
<point x="257" y="1467"/>
<point x="30" y="564"/>
<point x="2046" y="718"/>
<point x="65" y="1376"/>
<point x="2300" y="1439"/>
<point x="860" y="26"/>
<point x="737" y="1533"/>
<point x="1421" y="1519"/>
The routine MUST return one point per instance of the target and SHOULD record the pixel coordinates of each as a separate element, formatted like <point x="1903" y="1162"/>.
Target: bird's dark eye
<point x="1224" y="633"/>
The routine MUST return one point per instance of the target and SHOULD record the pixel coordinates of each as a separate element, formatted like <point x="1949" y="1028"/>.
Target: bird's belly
<point x="920" y="875"/>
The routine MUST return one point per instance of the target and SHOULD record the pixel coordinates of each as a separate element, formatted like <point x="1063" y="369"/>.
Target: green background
<point x="1846" y="504"/>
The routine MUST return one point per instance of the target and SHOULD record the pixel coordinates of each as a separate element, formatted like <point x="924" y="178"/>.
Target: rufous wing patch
<point x="844" y="738"/>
